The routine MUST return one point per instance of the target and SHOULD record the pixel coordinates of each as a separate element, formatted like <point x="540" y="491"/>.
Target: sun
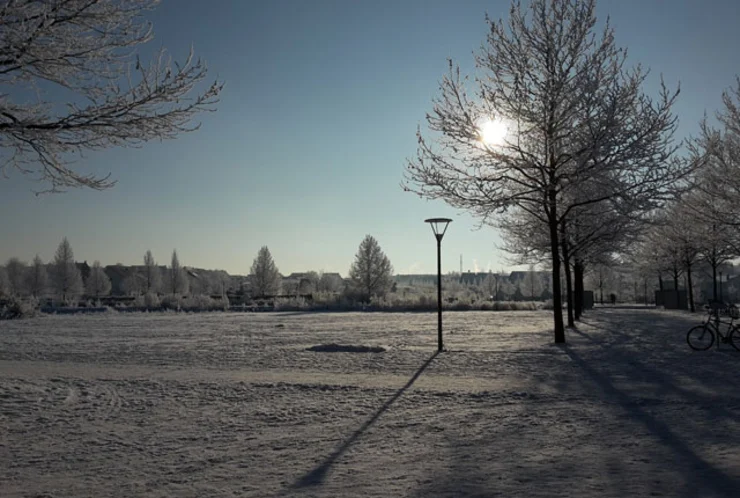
<point x="492" y="131"/>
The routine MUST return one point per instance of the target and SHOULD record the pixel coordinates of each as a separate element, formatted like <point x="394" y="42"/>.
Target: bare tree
<point x="66" y="277"/>
<point x="591" y="234"/>
<point x="497" y="286"/>
<point x="308" y="283"/>
<point x="88" y="48"/>
<point x="681" y="241"/>
<point x="133" y="284"/>
<point x="329" y="282"/>
<point x="220" y="282"/>
<point x="265" y="275"/>
<point x="602" y="277"/>
<point x="490" y="286"/>
<point x="98" y="284"/>
<point x="719" y="148"/>
<point x="533" y="283"/>
<point x="574" y="116"/>
<point x="371" y="274"/>
<point x="37" y="282"/>
<point x="16" y="270"/>
<point x="177" y="279"/>
<point x="152" y="275"/>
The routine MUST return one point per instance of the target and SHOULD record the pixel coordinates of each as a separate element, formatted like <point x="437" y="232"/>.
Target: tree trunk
<point x="578" y="273"/>
<point x="675" y="285"/>
<point x="635" y="292"/>
<point x="557" y="300"/>
<point x="645" y="289"/>
<point x="691" y="289"/>
<point x="568" y="279"/>
<point x="714" y="281"/>
<point x="569" y="293"/>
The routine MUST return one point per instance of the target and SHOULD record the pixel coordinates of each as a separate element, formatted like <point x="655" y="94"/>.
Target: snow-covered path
<point x="234" y="405"/>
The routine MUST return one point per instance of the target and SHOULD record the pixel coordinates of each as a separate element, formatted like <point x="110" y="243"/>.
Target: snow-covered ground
<point x="196" y="405"/>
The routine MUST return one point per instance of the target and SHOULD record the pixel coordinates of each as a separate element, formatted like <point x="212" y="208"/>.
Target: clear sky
<point x="307" y="149"/>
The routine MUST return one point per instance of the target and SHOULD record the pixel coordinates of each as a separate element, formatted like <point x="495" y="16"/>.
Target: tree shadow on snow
<point x="318" y="475"/>
<point x="704" y="478"/>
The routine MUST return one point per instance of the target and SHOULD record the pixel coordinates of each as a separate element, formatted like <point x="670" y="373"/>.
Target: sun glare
<point x="492" y="132"/>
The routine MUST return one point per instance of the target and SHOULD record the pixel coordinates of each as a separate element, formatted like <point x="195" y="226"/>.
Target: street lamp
<point x="439" y="227"/>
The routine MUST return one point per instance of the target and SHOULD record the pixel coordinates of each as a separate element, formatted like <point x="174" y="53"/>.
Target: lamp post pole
<point x="439" y="227"/>
<point x="439" y="292"/>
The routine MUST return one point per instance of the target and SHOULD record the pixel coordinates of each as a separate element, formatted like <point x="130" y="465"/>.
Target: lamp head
<point x="439" y="226"/>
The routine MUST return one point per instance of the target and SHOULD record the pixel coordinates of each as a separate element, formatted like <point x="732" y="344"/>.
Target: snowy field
<point x="197" y="405"/>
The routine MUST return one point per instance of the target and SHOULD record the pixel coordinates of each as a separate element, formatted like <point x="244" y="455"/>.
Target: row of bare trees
<point x="371" y="274"/>
<point x="63" y="279"/>
<point x="589" y="161"/>
<point x="701" y="226"/>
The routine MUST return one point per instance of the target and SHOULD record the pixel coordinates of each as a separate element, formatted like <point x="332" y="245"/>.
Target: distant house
<point x="473" y="278"/>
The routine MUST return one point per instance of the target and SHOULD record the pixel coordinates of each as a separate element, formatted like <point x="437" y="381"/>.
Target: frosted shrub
<point x="151" y="300"/>
<point x="171" y="302"/>
<point x="426" y="301"/>
<point x="17" y="309"/>
<point x="199" y="302"/>
<point x="331" y="301"/>
<point x="291" y="304"/>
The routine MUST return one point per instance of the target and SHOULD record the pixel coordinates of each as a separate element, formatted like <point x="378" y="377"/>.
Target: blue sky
<point x="306" y="151"/>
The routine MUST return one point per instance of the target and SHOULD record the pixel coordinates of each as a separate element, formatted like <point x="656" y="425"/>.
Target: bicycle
<point x="701" y="337"/>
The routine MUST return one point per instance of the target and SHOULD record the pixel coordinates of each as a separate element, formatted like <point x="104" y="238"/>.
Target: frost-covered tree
<point x="708" y="221"/>
<point x="220" y="282"/>
<point x="554" y="109"/>
<point x="151" y="274"/>
<point x="98" y="284"/>
<point x="133" y="284"/>
<point x="88" y="50"/>
<point x="371" y="274"/>
<point x="602" y="277"/>
<point x="16" y="270"/>
<point x="177" y="280"/>
<point x="265" y="275"/>
<point x="679" y="240"/>
<point x="66" y="277"/>
<point x="532" y="287"/>
<point x="489" y="286"/>
<point x="308" y="283"/>
<point x="330" y="282"/>
<point x="719" y="150"/>
<point x="37" y="279"/>
<point x="591" y="234"/>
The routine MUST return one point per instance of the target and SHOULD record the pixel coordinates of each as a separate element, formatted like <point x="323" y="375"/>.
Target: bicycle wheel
<point x="735" y="339"/>
<point x="701" y="337"/>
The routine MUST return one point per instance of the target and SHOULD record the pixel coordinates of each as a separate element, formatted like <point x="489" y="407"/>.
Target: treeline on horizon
<point x="65" y="283"/>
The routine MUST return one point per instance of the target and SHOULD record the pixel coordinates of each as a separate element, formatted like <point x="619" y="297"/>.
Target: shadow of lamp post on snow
<point x="319" y="474"/>
<point x="439" y="227"/>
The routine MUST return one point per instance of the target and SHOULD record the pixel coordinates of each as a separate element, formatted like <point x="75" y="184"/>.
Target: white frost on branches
<point x="87" y="49"/>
